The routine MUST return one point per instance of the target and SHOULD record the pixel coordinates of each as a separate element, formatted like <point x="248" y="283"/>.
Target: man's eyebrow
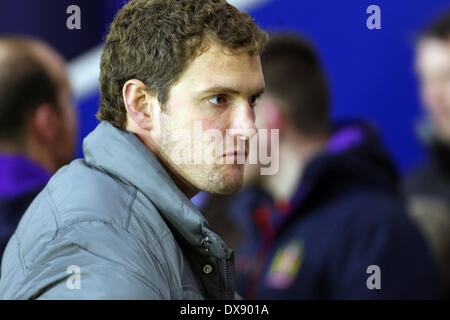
<point x="222" y="89"/>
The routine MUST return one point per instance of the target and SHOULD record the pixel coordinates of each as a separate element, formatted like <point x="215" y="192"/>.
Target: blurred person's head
<point x="169" y="65"/>
<point x="296" y="99"/>
<point x="37" y="117"/>
<point x="433" y="67"/>
<point x="296" y="89"/>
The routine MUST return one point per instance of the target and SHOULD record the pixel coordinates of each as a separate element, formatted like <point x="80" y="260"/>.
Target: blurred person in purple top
<point x="37" y="125"/>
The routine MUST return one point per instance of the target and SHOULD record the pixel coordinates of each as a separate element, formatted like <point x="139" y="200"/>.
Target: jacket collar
<point x="123" y="155"/>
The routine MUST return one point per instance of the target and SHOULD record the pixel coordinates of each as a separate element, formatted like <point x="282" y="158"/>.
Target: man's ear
<point x="137" y="99"/>
<point x="44" y="123"/>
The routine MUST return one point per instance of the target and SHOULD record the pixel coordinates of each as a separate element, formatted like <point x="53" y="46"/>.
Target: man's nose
<point x="243" y="122"/>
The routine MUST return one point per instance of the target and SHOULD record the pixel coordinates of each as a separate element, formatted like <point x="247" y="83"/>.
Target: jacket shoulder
<point x="81" y="192"/>
<point x="76" y="193"/>
<point x="74" y="266"/>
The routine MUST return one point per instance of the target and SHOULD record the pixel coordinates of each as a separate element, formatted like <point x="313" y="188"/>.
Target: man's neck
<point x="185" y="187"/>
<point x="40" y="155"/>
<point x="32" y="150"/>
<point x="188" y="189"/>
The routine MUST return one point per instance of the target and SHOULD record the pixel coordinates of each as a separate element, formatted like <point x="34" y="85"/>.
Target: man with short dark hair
<point x="119" y="224"/>
<point x="331" y="223"/>
<point x="428" y="186"/>
<point x="37" y="125"/>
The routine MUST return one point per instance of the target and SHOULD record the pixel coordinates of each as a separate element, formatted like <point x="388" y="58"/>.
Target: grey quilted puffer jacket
<point x="115" y="226"/>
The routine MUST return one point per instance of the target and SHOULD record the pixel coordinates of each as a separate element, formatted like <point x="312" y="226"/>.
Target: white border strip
<point x="246" y="4"/>
<point x="84" y="72"/>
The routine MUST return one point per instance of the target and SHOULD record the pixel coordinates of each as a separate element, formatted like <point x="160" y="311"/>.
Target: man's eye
<point x="252" y="100"/>
<point x="218" y="100"/>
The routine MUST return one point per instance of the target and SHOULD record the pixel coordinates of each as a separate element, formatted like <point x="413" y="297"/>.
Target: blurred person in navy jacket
<point x="37" y="125"/>
<point x="428" y="187"/>
<point x="331" y="223"/>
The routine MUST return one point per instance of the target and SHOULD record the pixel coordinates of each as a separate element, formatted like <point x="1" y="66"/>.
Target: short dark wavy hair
<point x="293" y="73"/>
<point x="438" y="28"/>
<point x="154" y="40"/>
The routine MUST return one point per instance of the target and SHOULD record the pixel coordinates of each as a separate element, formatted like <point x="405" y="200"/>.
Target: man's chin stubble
<point x="225" y="184"/>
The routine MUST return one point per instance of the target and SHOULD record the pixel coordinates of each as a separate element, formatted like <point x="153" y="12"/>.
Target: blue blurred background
<point x="370" y="71"/>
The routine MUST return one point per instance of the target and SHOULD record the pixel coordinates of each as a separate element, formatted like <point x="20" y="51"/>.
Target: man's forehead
<point x="221" y="57"/>
<point x="219" y="69"/>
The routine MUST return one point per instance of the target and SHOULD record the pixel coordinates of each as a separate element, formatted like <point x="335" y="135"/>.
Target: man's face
<point x="210" y="115"/>
<point x="433" y="65"/>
